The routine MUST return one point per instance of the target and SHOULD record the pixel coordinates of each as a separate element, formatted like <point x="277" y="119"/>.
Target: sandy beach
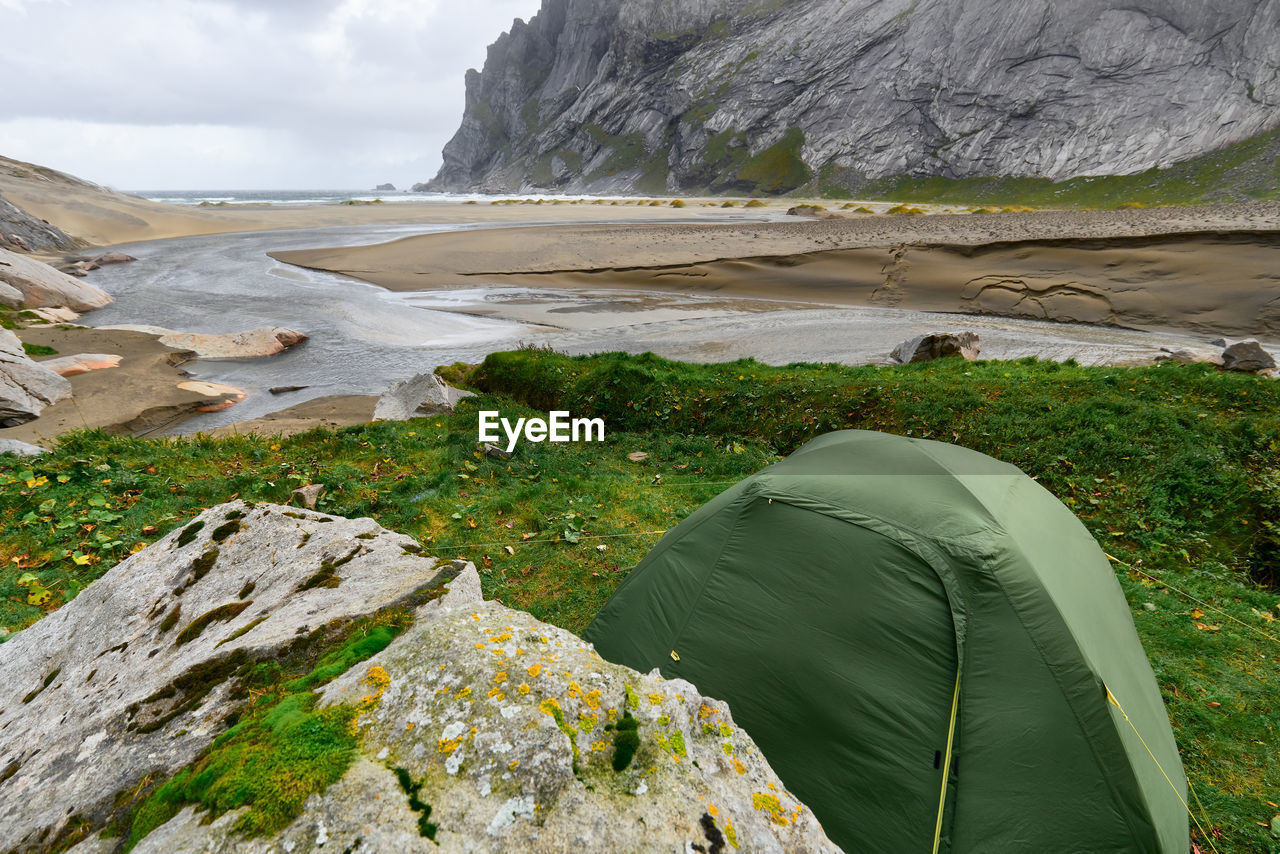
<point x="1210" y="271"/>
<point x="700" y="282"/>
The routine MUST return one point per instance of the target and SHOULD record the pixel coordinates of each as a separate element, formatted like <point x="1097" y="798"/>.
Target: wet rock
<point x="493" y="732"/>
<point x="100" y="695"/>
<point x="220" y="396"/>
<point x="42" y="285"/>
<point x="1247" y="357"/>
<point x="256" y="343"/>
<point x="425" y="394"/>
<point x="937" y="345"/>
<point x="113" y="258"/>
<point x="81" y="363"/>
<point x="285" y="389"/>
<point x="26" y="386"/>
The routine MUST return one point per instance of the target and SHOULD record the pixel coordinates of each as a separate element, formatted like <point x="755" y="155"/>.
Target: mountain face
<point x="767" y="96"/>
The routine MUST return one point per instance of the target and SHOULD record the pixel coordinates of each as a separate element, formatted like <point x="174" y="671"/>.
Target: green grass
<point x="38" y="350"/>
<point x="1248" y="170"/>
<point x="1174" y="469"/>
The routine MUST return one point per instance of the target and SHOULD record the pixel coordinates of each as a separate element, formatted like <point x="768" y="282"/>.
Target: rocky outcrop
<point x="423" y="395"/>
<point x="20" y="231"/>
<point x="1247" y="357"/>
<point x="937" y="345"/>
<point x="478" y="729"/>
<point x="137" y="674"/>
<point x="42" y="285"/>
<point x="385" y="188"/>
<point x="485" y="730"/>
<point x="256" y="343"/>
<point x="743" y="96"/>
<point x="26" y="386"/>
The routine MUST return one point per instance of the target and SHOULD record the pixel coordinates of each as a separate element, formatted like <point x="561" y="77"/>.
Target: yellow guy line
<point x="946" y="765"/>
<point x="1207" y="838"/>
<point x="1200" y="602"/>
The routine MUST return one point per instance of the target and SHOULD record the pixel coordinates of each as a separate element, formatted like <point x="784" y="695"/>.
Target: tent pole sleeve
<point x="946" y="764"/>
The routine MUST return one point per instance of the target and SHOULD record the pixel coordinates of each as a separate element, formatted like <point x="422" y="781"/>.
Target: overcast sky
<point x="241" y="94"/>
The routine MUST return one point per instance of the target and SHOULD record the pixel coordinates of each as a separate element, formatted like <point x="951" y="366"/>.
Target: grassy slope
<point x="1174" y="469"/>
<point x="1246" y="171"/>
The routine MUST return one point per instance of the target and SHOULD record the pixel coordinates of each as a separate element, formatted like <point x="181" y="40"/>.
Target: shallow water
<point x="363" y="338"/>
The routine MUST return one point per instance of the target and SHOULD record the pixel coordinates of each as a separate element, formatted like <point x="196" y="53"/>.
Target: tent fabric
<point x="834" y="599"/>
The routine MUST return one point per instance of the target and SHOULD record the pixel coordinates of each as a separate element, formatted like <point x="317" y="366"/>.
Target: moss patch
<point x="626" y="741"/>
<point x="425" y="827"/>
<point x="188" y="534"/>
<point x="279" y="749"/>
<point x="222" y="613"/>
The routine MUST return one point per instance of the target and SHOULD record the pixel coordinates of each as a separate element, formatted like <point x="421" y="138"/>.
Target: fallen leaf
<point x="509" y="550"/>
<point x="1197" y="614"/>
<point x="638" y="456"/>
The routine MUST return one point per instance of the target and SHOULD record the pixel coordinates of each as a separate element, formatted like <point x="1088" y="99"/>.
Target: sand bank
<point x="1208" y="270"/>
<point x="138" y="398"/>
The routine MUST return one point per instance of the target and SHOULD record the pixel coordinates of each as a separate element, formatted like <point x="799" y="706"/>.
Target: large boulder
<point x="42" y="285"/>
<point x="493" y="732"/>
<point x="1247" y="357"/>
<point x="265" y="341"/>
<point x="937" y="345"/>
<point x="423" y="395"/>
<point x="133" y="678"/>
<point x="26" y="386"/>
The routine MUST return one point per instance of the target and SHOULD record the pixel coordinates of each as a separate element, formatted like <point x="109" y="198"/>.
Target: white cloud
<point x="150" y="94"/>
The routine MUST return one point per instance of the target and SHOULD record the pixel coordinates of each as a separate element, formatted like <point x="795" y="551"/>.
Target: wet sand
<point x="1210" y="271"/>
<point x="140" y="397"/>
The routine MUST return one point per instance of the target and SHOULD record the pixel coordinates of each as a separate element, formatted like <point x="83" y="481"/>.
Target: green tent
<point x="931" y="650"/>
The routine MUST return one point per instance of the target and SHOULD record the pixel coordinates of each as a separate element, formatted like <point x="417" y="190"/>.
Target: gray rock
<point x="1247" y="357"/>
<point x="10" y="296"/>
<point x="1192" y="356"/>
<point x="21" y="449"/>
<point x="495" y="452"/>
<point x="21" y="230"/>
<point x="253" y="344"/>
<point x="42" y="285"/>
<point x="385" y="188"/>
<point x="308" y="495"/>
<point x="501" y="719"/>
<point x="26" y="387"/>
<point x="956" y="88"/>
<point x="100" y="694"/>
<point x="425" y="394"/>
<point x="937" y="345"/>
<point x="285" y="389"/>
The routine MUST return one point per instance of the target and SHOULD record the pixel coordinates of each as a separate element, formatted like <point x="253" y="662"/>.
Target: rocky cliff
<point x="767" y="96"/>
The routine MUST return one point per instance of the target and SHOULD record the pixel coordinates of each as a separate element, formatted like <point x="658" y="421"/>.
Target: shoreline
<point x="1204" y="271"/>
